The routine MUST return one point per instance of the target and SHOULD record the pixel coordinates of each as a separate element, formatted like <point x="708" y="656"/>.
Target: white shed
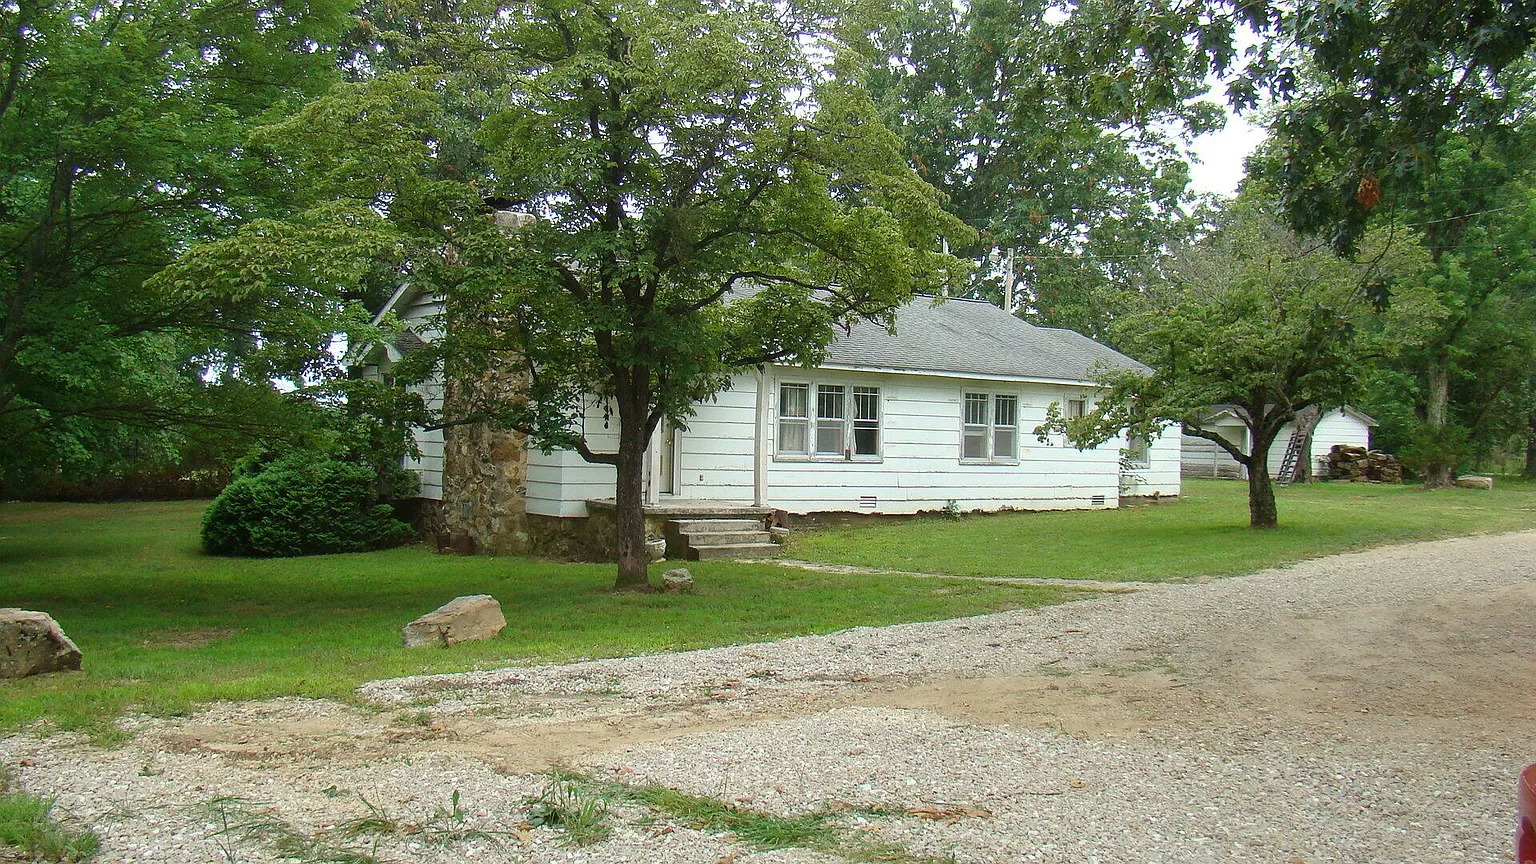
<point x="1204" y="458"/>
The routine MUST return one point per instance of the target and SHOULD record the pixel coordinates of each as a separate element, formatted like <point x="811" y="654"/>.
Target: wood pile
<point x="1357" y="464"/>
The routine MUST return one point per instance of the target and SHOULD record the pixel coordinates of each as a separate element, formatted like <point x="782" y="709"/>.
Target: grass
<point x="164" y="627"/>
<point x="569" y="805"/>
<point x="822" y="830"/>
<point x="1205" y="533"/>
<point x="27" y="826"/>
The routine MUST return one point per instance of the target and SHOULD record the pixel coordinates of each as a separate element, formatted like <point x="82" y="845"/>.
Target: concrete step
<point x="725" y="538"/>
<point x="690" y="526"/>
<point x="735" y="550"/>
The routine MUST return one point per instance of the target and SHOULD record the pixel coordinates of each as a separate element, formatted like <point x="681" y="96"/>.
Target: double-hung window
<point x="989" y="428"/>
<point x="1138" y="452"/>
<point x="828" y="421"/>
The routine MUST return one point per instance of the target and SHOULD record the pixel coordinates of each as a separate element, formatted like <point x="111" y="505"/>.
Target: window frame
<point x="1137" y="458"/>
<point x="849" y="393"/>
<point x="990" y="429"/>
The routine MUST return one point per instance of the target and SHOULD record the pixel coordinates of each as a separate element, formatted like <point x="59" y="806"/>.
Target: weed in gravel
<point x="446" y="825"/>
<point x="821" y="830"/>
<point x="238" y="822"/>
<point x="27" y="824"/>
<point x="571" y="804"/>
<point x="812" y="830"/>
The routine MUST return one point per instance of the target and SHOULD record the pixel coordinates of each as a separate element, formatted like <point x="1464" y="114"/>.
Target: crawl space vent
<point x="866" y="502"/>
<point x="1098" y="500"/>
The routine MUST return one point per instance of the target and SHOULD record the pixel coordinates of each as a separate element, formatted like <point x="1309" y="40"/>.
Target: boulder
<point x="1472" y="481"/>
<point x="32" y="643"/>
<point x="678" y="581"/>
<point x="462" y="619"/>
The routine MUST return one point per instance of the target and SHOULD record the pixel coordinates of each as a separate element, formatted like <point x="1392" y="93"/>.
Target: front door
<point x="667" y="463"/>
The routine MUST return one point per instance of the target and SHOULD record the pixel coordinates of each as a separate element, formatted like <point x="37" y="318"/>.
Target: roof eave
<point x="950" y="373"/>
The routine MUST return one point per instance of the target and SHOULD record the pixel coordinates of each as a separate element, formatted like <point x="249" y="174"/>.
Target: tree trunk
<point x="1437" y="469"/>
<point x="629" y="511"/>
<point x="1530" y="452"/>
<point x="1261" y="495"/>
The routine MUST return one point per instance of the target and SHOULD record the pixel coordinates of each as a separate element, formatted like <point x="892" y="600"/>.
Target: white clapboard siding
<point x="919" y="467"/>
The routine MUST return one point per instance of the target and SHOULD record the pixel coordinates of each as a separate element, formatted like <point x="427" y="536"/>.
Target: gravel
<point x="1371" y="707"/>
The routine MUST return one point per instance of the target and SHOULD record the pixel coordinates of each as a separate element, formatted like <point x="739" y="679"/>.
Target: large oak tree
<point x="122" y="141"/>
<point x="712" y="189"/>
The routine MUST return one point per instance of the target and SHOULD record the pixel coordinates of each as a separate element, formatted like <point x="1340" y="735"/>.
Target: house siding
<point x="918" y="469"/>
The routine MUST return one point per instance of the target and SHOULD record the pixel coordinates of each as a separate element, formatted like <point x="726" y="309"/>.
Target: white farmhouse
<point x="939" y="414"/>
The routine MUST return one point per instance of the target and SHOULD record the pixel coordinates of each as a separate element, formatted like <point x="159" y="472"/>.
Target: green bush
<point x="303" y="505"/>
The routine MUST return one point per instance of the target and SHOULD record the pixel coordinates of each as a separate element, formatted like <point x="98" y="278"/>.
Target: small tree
<point x="1254" y="318"/>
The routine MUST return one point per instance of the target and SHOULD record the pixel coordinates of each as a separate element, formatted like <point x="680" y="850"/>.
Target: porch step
<point x="706" y="539"/>
<point x="735" y="550"/>
<point x="726" y="538"/>
<point x="691" y="526"/>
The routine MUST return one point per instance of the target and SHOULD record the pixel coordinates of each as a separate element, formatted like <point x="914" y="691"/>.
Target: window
<point x="990" y="427"/>
<point x="831" y="408"/>
<point x="845" y="423"/>
<point x="1076" y="407"/>
<point x="1137" y="453"/>
<point x="794" y="400"/>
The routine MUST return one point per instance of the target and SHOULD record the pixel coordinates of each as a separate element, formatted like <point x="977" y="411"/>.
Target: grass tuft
<point x="27" y="824"/>
<point x="820" y="830"/>
<point x="574" y="807"/>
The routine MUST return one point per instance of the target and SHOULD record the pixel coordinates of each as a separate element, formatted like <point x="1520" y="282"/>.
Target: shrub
<point x="302" y="505"/>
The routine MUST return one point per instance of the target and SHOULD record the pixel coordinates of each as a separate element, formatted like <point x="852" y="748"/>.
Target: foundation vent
<point x="1097" y="500"/>
<point x="867" y="502"/>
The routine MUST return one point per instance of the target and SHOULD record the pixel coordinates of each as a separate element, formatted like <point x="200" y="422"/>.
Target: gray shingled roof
<point x="969" y="337"/>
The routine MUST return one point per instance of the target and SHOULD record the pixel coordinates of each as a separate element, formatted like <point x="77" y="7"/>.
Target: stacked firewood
<point x="1359" y="464"/>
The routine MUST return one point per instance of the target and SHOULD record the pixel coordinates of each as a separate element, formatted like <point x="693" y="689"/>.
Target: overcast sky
<point x="1221" y="156"/>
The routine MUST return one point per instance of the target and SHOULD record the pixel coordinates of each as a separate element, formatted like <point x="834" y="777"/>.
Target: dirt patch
<point x="1086" y="705"/>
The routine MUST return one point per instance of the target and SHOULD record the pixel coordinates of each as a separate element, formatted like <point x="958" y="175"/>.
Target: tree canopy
<point x="1254" y="318"/>
<point x="711" y="185"/>
<point x="1071" y="175"/>
<point x="122" y="142"/>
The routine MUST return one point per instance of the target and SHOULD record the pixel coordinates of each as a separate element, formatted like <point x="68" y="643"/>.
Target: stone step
<point x="690" y="526"/>
<point x="735" y="550"/>
<point x="725" y="538"/>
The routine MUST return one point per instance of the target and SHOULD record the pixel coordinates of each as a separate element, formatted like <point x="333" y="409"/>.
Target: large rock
<point x="678" y="581"/>
<point x="462" y="619"/>
<point x="1472" y="481"/>
<point x="31" y="643"/>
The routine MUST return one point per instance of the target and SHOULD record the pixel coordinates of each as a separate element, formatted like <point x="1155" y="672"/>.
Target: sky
<point x="1221" y="156"/>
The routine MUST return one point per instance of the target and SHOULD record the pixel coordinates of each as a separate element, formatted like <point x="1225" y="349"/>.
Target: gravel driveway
<point x="1371" y="707"/>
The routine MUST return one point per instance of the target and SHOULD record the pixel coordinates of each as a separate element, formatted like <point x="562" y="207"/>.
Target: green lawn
<point x="164" y="627"/>
<point x="1204" y="533"/>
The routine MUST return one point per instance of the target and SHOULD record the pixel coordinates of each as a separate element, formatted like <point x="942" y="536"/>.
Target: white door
<point x="667" y="464"/>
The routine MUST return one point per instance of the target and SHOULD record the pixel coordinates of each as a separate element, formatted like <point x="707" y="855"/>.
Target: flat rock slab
<point x="462" y="619"/>
<point x="32" y="643"/>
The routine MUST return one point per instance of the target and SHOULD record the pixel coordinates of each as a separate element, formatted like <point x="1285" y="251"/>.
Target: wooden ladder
<point x="1306" y="421"/>
<point x="1287" y="474"/>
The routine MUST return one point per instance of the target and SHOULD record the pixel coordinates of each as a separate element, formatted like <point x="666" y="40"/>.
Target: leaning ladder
<point x="1287" y="474"/>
